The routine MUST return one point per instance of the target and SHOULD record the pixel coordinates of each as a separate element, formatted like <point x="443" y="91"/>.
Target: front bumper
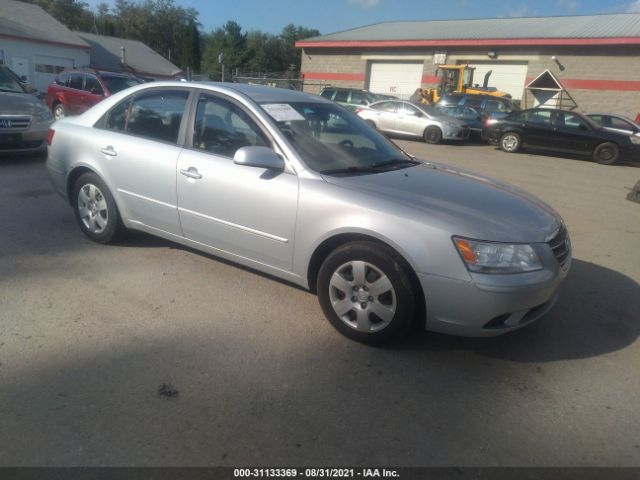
<point x="23" y="141"/>
<point x="469" y="308"/>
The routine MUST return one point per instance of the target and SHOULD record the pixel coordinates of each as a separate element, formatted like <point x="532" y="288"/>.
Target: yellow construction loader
<point x="455" y="79"/>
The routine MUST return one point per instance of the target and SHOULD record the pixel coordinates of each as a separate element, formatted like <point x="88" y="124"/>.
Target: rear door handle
<point x="109" y="151"/>
<point x="191" y="172"/>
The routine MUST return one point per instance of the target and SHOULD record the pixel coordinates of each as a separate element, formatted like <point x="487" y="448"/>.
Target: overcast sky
<point x="334" y="15"/>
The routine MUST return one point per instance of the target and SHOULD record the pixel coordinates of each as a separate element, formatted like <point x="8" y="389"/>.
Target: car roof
<point x="258" y="93"/>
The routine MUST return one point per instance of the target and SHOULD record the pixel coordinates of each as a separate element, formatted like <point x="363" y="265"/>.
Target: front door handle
<point x="191" y="172"/>
<point x="109" y="151"/>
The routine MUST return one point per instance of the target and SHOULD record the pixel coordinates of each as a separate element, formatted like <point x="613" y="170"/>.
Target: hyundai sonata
<point x="295" y="186"/>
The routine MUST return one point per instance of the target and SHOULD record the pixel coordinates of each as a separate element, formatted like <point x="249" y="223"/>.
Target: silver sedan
<point x="397" y="117"/>
<point x="297" y="187"/>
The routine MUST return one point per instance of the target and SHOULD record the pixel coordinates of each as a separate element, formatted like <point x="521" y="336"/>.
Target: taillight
<point x="50" y="134"/>
<point x="358" y="110"/>
<point x="487" y="122"/>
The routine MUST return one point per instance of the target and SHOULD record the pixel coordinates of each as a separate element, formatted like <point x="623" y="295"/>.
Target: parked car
<point x="24" y="119"/>
<point x="75" y="91"/>
<point x="350" y="98"/>
<point x="256" y="175"/>
<point x="404" y="118"/>
<point x="487" y="105"/>
<point x="561" y="131"/>
<point x="470" y="116"/>
<point x="615" y="123"/>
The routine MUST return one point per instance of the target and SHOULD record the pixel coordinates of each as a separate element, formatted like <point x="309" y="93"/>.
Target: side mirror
<point x="262" y="157"/>
<point x="95" y="91"/>
<point x="23" y="78"/>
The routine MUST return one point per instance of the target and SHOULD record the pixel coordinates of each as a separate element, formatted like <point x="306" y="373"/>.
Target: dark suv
<point x="350" y="98"/>
<point x="75" y="91"/>
<point x="486" y="105"/>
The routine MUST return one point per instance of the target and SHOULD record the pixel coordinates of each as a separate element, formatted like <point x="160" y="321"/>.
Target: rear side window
<point x="327" y="94"/>
<point x="495" y="106"/>
<point x="157" y="115"/>
<point x="341" y="96"/>
<point x="385" y="107"/>
<point x="76" y="81"/>
<point x="117" y="117"/>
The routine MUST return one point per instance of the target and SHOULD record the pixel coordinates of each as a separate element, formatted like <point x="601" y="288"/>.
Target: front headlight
<point x="635" y="139"/>
<point x="494" y="257"/>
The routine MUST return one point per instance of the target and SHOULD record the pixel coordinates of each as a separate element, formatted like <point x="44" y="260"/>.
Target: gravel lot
<point x="89" y="333"/>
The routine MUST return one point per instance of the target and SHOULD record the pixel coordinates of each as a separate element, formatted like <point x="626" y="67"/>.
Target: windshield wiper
<point x="396" y="161"/>
<point x="351" y="169"/>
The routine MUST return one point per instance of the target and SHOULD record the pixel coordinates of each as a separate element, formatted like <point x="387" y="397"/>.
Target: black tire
<point x="59" y="111"/>
<point x="396" y="303"/>
<point x="510" y="142"/>
<point x="432" y="135"/>
<point x="606" y="153"/>
<point x="107" y="223"/>
<point x="371" y="123"/>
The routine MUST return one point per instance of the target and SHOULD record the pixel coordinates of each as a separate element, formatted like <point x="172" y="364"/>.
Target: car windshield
<point x="332" y="140"/>
<point x="8" y="82"/>
<point x="116" y="83"/>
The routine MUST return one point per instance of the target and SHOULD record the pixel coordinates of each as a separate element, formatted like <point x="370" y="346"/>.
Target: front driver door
<point x="247" y="211"/>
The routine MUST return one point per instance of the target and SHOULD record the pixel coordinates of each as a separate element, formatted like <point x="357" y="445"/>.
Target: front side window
<point x="474" y="102"/>
<point x="76" y="80"/>
<point x="115" y="83"/>
<point x="92" y="85"/>
<point x="331" y="140"/>
<point x="157" y="115"/>
<point x="62" y="80"/>
<point x="341" y="96"/>
<point x="571" y="121"/>
<point x="221" y="127"/>
<point x="621" y="124"/>
<point x="358" y="99"/>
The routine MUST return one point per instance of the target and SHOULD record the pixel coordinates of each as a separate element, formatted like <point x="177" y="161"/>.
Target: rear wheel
<point x="59" y="111"/>
<point x="606" y="153"/>
<point x="433" y="134"/>
<point x="96" y="211"/>
<point x="365" y="292"/>
<point x="510" y="142"/>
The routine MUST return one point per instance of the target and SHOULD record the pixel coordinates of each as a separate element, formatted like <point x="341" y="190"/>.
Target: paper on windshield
<point x="282" y="112"/>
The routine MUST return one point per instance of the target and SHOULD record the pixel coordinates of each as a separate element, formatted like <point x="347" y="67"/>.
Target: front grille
<point x="561" y="246"/>
<point x="14" y="122"/>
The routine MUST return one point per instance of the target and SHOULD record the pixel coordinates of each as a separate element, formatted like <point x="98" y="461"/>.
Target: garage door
<point x="509" y="77"/>
<point x="47" y="67"/>
<point x="395" y="78"/>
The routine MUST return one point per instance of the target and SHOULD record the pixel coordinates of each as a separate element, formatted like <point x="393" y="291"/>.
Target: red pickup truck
<point x="75" y="91"/>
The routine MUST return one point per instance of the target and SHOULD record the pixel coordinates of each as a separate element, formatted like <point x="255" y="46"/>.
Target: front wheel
<point x="96" y="211"/>
<point x="510" y="142"/>
<point x="606" y="153"/>
<point x="365" y="292"/>
<point x="432" y="135"/>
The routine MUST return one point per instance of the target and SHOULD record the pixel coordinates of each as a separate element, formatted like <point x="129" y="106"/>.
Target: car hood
<point x="20" y="103"/>
<point x="464" y="203"/>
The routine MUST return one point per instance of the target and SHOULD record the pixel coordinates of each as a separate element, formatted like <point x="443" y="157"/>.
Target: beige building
<point x="596" y="57"/>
